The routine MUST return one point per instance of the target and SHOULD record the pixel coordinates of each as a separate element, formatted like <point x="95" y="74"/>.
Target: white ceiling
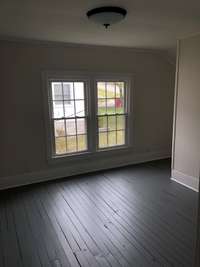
<point x="149" y="24"/>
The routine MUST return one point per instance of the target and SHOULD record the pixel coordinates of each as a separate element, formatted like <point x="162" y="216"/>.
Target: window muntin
<point x="111" y="113"/>
<point x="69" y="109"/>
<point x="85" y="119"/>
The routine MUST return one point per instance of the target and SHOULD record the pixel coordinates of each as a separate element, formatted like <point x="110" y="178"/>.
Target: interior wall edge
<point x="188" y="181"/>
<point x="51" y="174"/>
<point x="175" y="104"/>
<point x="48" y="43"/>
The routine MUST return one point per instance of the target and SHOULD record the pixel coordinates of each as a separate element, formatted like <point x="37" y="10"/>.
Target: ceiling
<point x="154" y="24"/>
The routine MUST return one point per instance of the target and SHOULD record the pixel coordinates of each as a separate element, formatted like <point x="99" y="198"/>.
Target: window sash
<point x="114" y="114"/>
<point x="75" y="117"/>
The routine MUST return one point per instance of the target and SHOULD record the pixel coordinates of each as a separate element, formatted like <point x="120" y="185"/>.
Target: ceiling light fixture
<point x="107" y="15"/>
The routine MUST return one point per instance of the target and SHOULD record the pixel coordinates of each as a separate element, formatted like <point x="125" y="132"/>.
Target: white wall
<point x="23" y="156"/>
<point x="186" y="152"/>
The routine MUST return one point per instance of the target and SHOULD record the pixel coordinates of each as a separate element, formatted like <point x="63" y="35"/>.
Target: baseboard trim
<point x="81" y="168"/>
<point x="188" y="181"/>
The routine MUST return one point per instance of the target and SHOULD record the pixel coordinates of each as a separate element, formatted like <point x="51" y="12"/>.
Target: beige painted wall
<point x="186" y="163"/>
<point x="22" y="135"/>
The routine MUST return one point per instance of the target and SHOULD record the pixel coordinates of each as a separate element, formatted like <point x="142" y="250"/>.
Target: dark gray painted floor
<point x="132" y="216"/>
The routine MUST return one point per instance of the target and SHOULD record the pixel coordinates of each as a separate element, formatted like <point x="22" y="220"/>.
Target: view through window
<point x="69" y="117"/>
<point x="111" y="114"/>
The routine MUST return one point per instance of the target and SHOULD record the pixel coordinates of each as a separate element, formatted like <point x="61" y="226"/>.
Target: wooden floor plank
<point x="133" y="216"/>
<point x="103" y="225"/>
<point x="76" y="244"/>
<point x="96" y="230"/>
<point x="151" y="204"/>
<point x="37" y="231"/>
<point x="54" y="245"/>
<point x="96" y="249"/>
<point x="30" y="255"/>
<point x="123" y="227"/>
<point x="167" y="243"/>
<point x="143" y="210"/>
<point x="154" y="228"/>
<point x="62" y="238"/>
<point x="10" y="249"/>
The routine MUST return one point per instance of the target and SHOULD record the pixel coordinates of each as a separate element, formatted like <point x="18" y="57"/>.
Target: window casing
<point x="87" y="113"/>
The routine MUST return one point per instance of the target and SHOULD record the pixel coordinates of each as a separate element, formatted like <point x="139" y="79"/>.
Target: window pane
<point x="102" y="124"/>
<point x="58" y="111"/>
<point x="121" y="122"/>
<point x="111" y="106"/>
<point x="103" y="140"/>
<point x="111" y="123"/>
<point x="120" y="137"/>
<point x="119" y="89"/>
<point x="101" y="87"/>
<point x="59" y="128"/>
<point x="60" y="145"/>
<point x="81" y="126"/>
<point x="79" y="90"/>
<point x="112" y="138"/>
<point x="68" y="91"/>
<point x="57" y="91"/>
<point x="119" y="102"/>
<point x="80" y="108"/>
<point x="71" y="144"/>
<point x="82" y="142"/>
<point x="71" y="127"/>
<point x="110" y="89"/>
<point x="102" y="106"/>
<point x="69" y="109"/>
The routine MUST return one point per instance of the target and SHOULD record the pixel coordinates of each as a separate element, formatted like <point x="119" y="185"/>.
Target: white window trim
<point x="127" y="81"/>
<point x="91" y="79"/>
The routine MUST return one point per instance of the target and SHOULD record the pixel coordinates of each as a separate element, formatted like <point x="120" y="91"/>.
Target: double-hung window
<point x="112" y="113"/>
<point x="68" y="106"/>
<point x="87" y="114"/>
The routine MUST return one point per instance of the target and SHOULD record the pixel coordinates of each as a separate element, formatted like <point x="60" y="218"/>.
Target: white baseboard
<point x="190" y="182"/>
<point x="81" y="168"/>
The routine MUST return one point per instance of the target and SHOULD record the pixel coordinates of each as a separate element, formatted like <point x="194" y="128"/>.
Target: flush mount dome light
<point x="107" y="15"/>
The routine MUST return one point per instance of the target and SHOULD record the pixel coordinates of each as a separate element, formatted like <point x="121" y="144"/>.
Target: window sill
<point x="114" y="148"/>
<point x="87" y="155"/>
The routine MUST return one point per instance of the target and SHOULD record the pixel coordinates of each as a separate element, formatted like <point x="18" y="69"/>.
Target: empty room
<point x="100" y="133"/>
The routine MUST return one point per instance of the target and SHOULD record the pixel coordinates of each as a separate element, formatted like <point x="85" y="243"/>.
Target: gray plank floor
<point x="131" y="216"/>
